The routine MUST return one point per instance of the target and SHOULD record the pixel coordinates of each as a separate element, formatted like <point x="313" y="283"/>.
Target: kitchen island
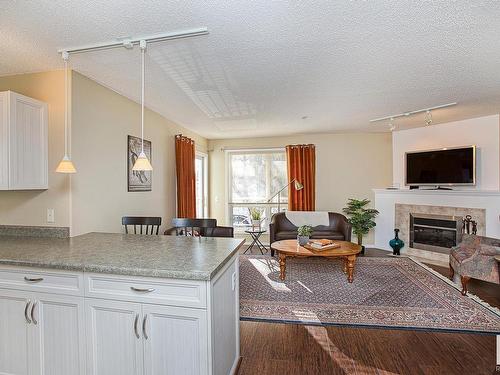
<point x="119" y="304"/>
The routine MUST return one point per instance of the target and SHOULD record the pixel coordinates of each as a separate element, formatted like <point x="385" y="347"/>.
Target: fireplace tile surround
<point x="402" y="221"/>
<point x="395" y="207"/>
<point x="403" y="212"/>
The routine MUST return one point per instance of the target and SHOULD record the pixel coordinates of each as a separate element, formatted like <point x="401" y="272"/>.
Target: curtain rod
<point x="236" y="149"/>
<point x="130" y="42"/>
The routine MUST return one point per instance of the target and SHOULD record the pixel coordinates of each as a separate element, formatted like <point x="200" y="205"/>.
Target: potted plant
<point x="360" y="217"/>
<point x="303" y="234"/>
<point x="256" y="216"/>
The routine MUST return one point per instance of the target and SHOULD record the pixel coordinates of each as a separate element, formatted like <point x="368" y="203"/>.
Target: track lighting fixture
<point x="409" y="113"/>
<point x="142" y="163"/>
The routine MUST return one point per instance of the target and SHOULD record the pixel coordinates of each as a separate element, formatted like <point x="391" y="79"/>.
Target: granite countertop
<point x="192" y="258"/>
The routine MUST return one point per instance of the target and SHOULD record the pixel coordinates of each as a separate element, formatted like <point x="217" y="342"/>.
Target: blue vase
<point x="396" y="243"/>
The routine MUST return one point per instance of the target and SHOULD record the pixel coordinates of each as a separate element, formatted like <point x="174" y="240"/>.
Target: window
<point x="201" y="177"/>
<point x="255" y="177"/>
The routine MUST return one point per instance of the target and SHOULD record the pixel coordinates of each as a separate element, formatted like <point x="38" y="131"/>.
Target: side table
<point x="255" y="234"/>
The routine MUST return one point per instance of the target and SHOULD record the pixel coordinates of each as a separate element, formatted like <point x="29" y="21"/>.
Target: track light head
<point x="128" y="44"/>
<point x="392" y="127"/>
<point x="428" y="118"/>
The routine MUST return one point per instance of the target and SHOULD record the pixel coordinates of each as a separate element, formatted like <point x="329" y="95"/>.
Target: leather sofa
<point x="281" y="228"/>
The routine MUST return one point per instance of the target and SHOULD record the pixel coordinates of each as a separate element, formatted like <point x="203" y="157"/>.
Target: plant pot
<point x="256" y="224"/>
<point x="303" y="240"/>
<point x="360" y="243"/>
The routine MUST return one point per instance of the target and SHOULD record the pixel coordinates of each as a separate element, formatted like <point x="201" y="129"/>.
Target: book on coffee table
<point x="322" y="245"/>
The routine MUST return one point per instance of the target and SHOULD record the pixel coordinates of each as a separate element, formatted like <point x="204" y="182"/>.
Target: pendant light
<point x="65" y="166"/>
<point x="142" y="163"/>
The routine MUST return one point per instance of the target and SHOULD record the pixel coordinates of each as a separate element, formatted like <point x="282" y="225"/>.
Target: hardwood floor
<point x="291" y="349"/>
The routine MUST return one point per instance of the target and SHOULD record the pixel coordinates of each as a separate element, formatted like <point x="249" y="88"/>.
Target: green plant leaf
<point x="305" y="230"/>
<point x="360" y="217"/>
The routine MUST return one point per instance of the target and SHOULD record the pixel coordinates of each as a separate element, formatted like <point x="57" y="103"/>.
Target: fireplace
<point x="436" y="233"/>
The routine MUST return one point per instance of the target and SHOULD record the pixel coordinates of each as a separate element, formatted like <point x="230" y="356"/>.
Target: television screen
<point x="441" y="167"/>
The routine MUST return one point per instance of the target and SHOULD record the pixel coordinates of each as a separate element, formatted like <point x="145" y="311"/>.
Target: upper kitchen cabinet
<point x="23" y="142"/>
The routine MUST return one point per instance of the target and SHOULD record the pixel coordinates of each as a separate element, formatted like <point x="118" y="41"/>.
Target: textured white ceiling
<point x="266" y="64"/>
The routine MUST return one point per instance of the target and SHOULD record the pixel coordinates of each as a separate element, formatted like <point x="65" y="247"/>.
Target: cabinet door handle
<point x="33" y="280"/>
<point x="135" y="326"/>
<point x="28" y="303"/>
<point x="142" y="290"/>
<point x="144" y="326"/>
<point x="33" y="312"/>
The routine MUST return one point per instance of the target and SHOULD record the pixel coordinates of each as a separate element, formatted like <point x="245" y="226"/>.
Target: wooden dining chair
<point x="147" y="225"/>
<point x="194" y="227"/>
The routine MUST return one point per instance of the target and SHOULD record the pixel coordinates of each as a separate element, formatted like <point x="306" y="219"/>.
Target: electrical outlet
<point x="51" y="218"/>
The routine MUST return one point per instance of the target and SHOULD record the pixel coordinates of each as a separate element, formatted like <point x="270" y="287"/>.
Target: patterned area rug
<point x="386" y="292"/>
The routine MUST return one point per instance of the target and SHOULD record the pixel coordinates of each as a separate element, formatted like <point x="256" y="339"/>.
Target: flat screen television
<point x="447" y="166"/>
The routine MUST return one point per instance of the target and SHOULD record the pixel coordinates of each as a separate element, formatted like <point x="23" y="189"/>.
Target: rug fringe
<point x="472" y="296"/>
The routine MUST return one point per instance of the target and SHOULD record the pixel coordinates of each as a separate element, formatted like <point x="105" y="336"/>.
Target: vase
<point x="303" y="240"/>
<point x="396" y="243"/>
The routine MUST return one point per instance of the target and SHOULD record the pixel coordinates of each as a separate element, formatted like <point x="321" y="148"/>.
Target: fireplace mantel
<point x="426" y="191"/>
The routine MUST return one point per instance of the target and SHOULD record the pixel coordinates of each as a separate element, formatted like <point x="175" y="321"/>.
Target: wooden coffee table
<point x="291" y="249"/>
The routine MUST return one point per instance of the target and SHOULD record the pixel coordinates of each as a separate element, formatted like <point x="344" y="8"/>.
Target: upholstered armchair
<point x="474" y="258"/>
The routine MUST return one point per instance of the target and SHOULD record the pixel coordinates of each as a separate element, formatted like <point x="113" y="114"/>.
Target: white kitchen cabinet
<point x="58" y="322"/>
<point x="58" y="335"/>
<point x="114" y="344"/>
<point x="14" y="334"/>
<point x="132" y="339"/>
<point x="23" y="142"/>
<point x="40" y="334"/>
<point x="175" y="340"/>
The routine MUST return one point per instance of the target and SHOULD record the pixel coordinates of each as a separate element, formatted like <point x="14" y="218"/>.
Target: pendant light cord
<point x="143" y="50"/>
<point x="65" y="58"/>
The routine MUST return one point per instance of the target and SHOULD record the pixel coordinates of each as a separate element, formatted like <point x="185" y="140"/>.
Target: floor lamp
<point x="296" y="184"/>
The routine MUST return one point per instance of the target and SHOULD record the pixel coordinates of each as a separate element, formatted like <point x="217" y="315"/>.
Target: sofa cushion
<point x="290" y="234"/>
<point x="328" y="235"/>
<point x="285" y="235"/>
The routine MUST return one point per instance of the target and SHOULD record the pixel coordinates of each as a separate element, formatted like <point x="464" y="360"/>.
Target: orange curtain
<point x="186" y="181"/>
<point x="301" y="160"/>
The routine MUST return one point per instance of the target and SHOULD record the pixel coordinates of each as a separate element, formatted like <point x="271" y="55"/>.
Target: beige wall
<point x="30" y="207"/>
<point x="347" y="165"/>
<point x="101" y="121"/>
